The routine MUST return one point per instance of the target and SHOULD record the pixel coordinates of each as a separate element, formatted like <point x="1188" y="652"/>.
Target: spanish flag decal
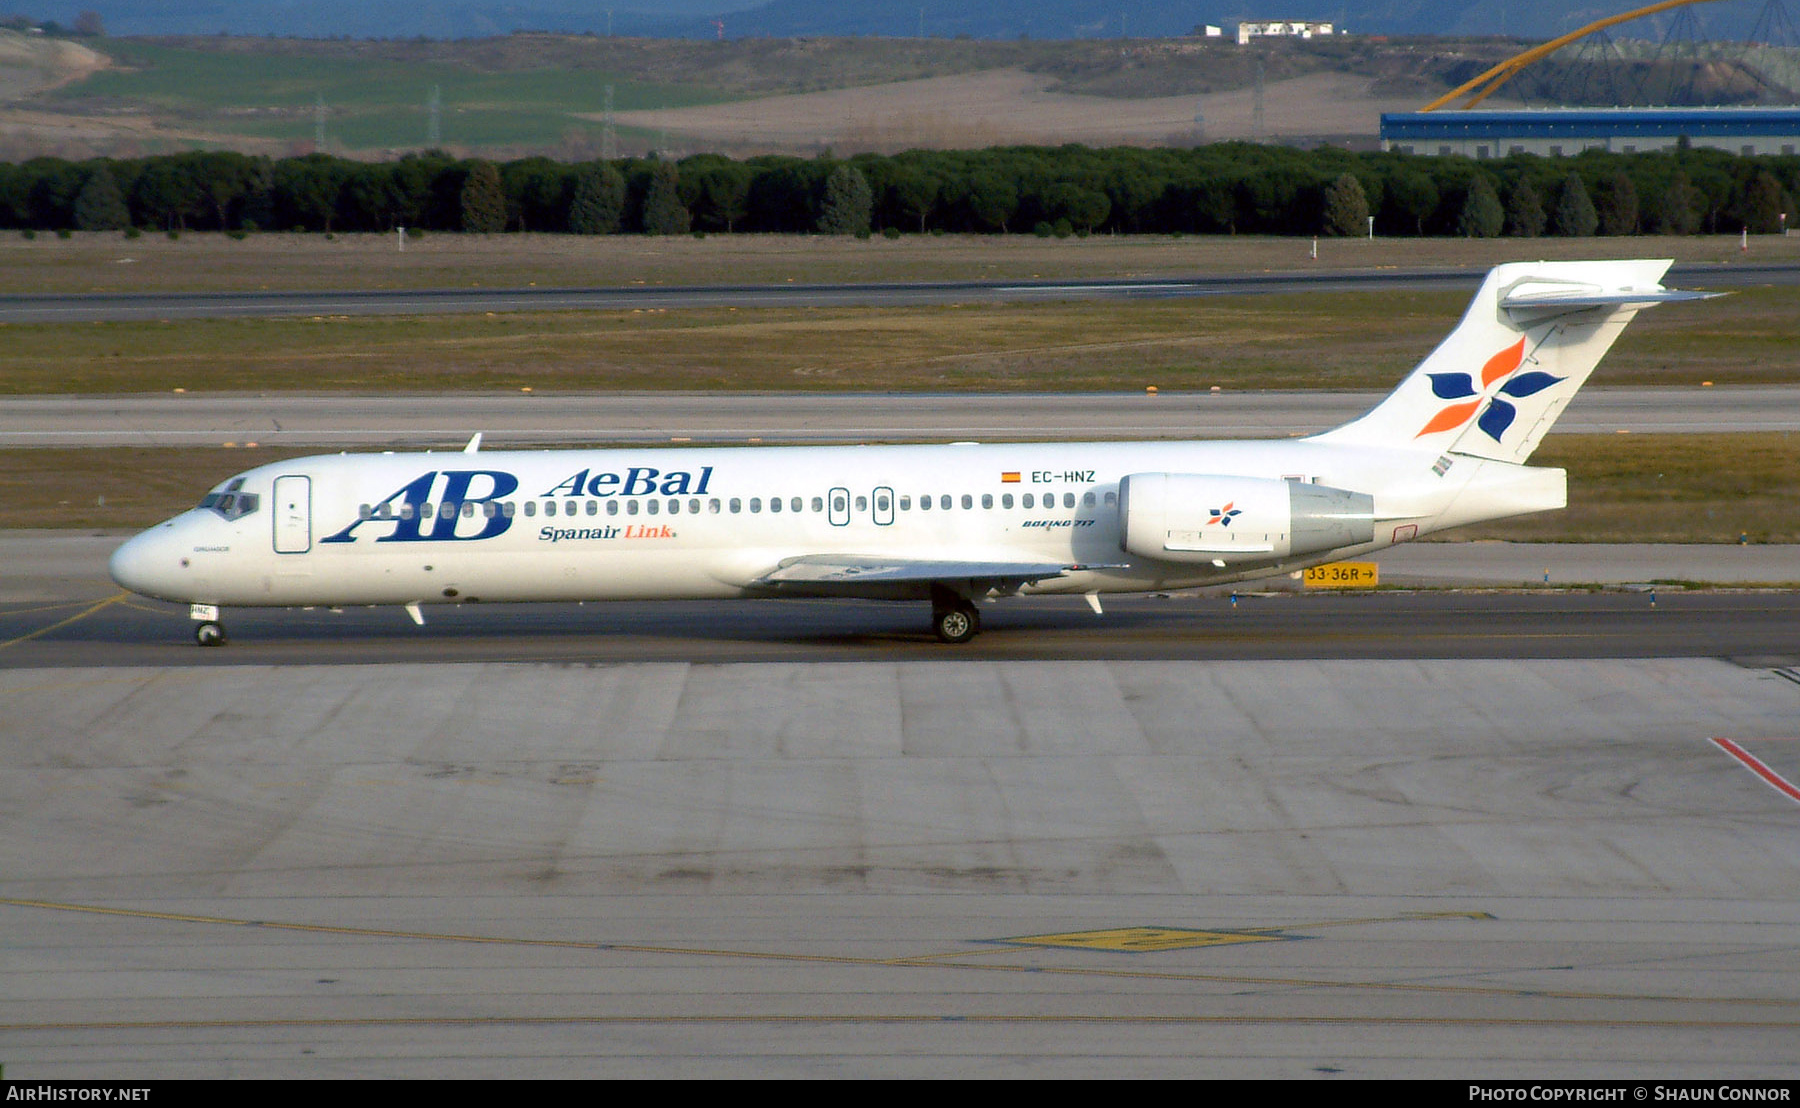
<point x="1009" y="478"/>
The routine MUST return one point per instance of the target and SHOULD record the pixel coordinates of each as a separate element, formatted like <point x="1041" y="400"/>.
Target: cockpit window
<point x="232" y="504"/>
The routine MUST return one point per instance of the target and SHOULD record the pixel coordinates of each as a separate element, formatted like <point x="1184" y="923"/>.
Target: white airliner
<point x="953" y="524"/>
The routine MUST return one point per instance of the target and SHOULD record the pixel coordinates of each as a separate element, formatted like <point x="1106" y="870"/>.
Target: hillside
<point x="524" y="94"/>
<point x="997" y="19"/>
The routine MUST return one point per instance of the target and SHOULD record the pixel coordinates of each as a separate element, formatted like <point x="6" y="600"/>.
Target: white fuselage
<point x="703" y="523"/>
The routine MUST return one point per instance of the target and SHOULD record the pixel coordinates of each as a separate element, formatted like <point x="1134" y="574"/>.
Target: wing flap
<point x="851" y="570"/>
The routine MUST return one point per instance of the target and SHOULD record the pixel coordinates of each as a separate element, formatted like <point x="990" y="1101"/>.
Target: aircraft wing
<point x="855" y="574"/>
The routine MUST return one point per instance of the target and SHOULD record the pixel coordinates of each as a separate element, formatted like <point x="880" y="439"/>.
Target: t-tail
<point x="1529" y="340"/>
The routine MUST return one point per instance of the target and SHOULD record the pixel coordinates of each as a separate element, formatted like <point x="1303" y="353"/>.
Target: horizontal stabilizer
<point x="1538" y="300"/>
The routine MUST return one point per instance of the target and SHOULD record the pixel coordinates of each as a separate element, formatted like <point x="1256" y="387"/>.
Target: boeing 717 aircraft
<point x="955" y="524"/>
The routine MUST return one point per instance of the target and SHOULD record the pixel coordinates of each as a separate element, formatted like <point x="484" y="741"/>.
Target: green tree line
<point x="1225" y="188"/>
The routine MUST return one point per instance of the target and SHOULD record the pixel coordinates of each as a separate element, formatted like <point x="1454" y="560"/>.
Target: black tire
<point x="209" y="634"/>
<point x="955" y="625"/>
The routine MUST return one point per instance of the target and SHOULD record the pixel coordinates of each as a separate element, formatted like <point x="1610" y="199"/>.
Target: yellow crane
<point x="1488" y="83"/>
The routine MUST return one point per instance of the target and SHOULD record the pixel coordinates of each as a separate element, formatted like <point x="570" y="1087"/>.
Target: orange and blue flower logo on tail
<point x="1499" y="413"/>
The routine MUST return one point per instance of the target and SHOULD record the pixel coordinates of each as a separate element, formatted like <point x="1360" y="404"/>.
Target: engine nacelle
<point x="1192" y="517"/>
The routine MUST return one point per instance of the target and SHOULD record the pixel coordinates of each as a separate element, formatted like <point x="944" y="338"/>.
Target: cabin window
<point x="631" y="508"/>
<point x="818" y="503"/>
<point x="1028" y="501"/>
<point x="549" y="507"/>
<point x="713" y="505"/>
<point x="881" y="503"/>
<point x="967" y="501"/>
<point x="530" y="508"/>
<point x="365" y="512"/>
<point x="736" y="505"/>
<point x="774" y="503"/>
<point x="612" y="507"/>
<point x="1087" y="499"/>
<point x="384" y="510"/>
<point x="506" y="509"/>
<point x="674" y="507"/>
<point x="944" y="502"/>
<point x="755" y="505"/>
<point x="651" y="507"/>
<point x="1006" y="500"/>
<point x="924" y="503"/>
<point x="1111" y="499"/>
<point x="796" y="504"/>
<point x="1068" y="500"/>
<point x="468" y="510"/>
<point x="987" y="500"/>
<point x="489" y="508"/>
<point x="840" y="504"/>
<point x="694" y="507"/>
<point x="593" y="507"/>
<point x="906" y="503"/>
<point x="406" y="511"/>
<point x="862" y="503"/>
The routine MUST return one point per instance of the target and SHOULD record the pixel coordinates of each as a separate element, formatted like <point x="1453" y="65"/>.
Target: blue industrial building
<point x="1554" y="132"/>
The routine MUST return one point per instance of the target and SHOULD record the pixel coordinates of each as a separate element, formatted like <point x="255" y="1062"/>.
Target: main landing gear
<point x="208" y="631"/>
<point x="953" y="617"/>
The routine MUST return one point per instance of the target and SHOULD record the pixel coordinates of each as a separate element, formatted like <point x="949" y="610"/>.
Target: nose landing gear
<point x="208" y="631"/>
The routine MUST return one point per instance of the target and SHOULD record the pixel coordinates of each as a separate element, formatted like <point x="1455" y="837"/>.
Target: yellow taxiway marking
<point x="77" y="617"/>
<point x="1141" y="939"/>
<point x="938" y="960"/>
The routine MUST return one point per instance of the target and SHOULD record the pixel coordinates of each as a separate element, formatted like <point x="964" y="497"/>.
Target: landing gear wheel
<point x="209" y="634"/>
<point x="955" y="625"/>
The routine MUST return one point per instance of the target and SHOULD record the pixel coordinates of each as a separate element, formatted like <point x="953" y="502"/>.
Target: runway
<point x="1432" y="835"/>
<point x="1081" y="868"/>
<point x="447" y="420"/>
<point x="110" y="307"/>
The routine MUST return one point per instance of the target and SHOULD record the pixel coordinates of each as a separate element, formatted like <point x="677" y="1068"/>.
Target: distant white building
<point x="1212" y="32"/>
<point x="1284" y="28"/>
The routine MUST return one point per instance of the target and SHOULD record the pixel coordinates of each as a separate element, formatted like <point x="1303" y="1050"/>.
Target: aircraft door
<point x="293" y="514"/>
<point x="838" y="500"/>
<point x="884" y="506"/>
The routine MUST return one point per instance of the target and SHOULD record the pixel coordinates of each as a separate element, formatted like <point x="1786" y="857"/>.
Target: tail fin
<point x="1533" y="333"/>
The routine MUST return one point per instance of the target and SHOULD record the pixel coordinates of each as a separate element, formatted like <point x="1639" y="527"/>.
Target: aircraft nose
<point x="149" y="564"/>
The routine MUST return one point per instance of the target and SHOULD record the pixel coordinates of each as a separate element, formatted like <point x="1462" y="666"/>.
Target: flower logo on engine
<point x="1499" y="413"/>
<point x="1224" y="516"/>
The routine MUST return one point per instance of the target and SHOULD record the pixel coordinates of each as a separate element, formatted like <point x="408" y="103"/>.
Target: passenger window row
<point x="676" y="506"/>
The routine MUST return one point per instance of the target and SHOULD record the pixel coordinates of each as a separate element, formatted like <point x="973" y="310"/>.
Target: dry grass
<point x="108" y="262"/>
<point x="1325" y="340"/>
<point x="1622" y="488"/>
<point x="1666" y="488"/>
